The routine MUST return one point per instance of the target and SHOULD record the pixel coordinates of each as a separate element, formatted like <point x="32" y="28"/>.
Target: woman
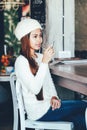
<point x="32" y="70"/>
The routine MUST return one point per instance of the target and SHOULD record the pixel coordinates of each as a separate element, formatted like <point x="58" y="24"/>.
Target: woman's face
<point x="35" y="39"/>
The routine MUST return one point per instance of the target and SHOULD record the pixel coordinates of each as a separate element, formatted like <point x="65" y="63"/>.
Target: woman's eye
<point x="35" y="36"/>
<point x="41" y="35"/>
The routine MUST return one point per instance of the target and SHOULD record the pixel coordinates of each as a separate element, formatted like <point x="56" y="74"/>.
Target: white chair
<point x="26" y="123"/>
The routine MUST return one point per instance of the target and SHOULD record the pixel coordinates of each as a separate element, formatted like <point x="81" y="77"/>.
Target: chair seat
<point x="50" y="125"/>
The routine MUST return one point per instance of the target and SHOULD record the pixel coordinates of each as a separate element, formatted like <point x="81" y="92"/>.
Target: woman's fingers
<point x="50" y="51"/>
<point x="48" y="54"/>
<point x="55" y="104"/>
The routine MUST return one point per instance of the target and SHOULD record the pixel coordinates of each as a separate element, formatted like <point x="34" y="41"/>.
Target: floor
<point x="6" y="116"/>
<point x="6" y="107"/>
<point x="6" y="128"/>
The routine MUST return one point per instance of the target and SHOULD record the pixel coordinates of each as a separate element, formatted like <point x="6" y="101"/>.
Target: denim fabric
<point x="70" y="110"/>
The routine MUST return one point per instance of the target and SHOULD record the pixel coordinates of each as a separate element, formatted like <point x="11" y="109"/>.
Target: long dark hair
<point x="25" y="51"/>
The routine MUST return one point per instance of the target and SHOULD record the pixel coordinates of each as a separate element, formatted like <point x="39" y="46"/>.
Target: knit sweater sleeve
<point x="23" y="72"/>
<point x="52" y="89"/>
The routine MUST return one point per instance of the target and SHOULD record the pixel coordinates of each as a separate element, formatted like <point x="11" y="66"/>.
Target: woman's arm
<point x="55" y="101"/>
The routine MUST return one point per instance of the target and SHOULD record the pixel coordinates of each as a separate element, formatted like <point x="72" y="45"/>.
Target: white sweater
<point x="31" y="86"/>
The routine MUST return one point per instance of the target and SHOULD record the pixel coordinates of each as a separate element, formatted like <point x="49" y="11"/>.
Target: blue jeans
<point x="70" y="110"/>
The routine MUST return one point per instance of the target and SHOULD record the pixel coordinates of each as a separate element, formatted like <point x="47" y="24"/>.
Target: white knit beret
<point x="25" y="26"/>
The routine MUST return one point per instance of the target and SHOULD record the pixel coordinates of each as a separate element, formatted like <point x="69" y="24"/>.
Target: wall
<point x="60" y="25"/>
<point x="81" y="25"/>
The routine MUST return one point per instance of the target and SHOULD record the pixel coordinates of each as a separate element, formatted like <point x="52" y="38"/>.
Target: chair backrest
<point x="17" y="102"/>
<point x="14" y="99"/>
<point x="20" y="105"/>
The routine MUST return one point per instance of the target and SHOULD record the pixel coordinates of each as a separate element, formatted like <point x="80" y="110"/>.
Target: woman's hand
<point x="48" y="54"/>
<point x="55" y="103"/>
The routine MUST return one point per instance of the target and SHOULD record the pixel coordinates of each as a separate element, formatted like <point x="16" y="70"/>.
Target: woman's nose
<point x="39" y="39"/>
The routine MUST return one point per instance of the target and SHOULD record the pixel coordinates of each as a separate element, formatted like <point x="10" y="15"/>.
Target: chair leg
<point x="86" y="117"/>
<point x="15" y="123"/>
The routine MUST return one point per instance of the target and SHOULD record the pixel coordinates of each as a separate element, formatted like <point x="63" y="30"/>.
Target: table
<point x="4" y="77"/>
<point x="71" y="76"/>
